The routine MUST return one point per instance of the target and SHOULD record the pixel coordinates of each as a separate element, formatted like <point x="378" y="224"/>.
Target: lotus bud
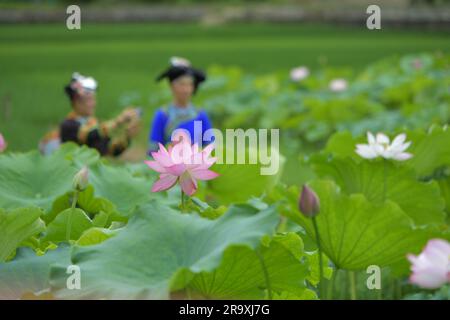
<point x="309" y="203"/>
<point x="81" y="179"/>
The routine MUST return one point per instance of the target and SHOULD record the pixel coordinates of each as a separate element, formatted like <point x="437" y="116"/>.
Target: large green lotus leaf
<point x="161" y="249"/>
<point x="307" y="294"/>
<point x="204" y="209"/>
<point x="95" y="235"/>
<point x="57" y="230"/>
<point x="91" y="204"/>
<point x="29" y="273"/>
<point x="356" y="233"/>
<point x="291" y="242"/>
<point x="30" y="179"/>
<point x="95" y="207"/>
<point x="420" y="200"/>
<point x="240" y="275"/>
<point x="16" y="226"/>
<point x="101" y="220"/>
<point x="238" y="182"/>
<point x="314" y="274"/>
<point x="120" y="187"/>
<point x="343" y="144"/>
<point x="79" y="155"/>
<point x="431" y="150"/>
<point x="444" y="184"/>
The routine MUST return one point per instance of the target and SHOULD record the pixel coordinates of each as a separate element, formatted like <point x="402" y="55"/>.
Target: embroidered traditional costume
<point x="88" y="131"/>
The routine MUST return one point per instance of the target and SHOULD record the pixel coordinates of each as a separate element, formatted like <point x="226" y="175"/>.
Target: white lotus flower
<point x="380" y="146"/>
<point x="338" y="85"/>
<point x="299" y="73"/>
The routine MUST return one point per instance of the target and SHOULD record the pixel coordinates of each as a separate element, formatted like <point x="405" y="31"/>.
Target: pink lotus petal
<point x="188" y="185"/>
<point x="163" y="149"/>
<point x="204" y="174"/>
<point x="177" y="169"/>
<point x="428" y="279"/>
<point x="438" y="251"/>
<point x="155" y="166"/>
<point x="442" y="245"/>
<point x="162" y="158"/>
<point x="165" y="182"/>
<point x="412" y="258"/>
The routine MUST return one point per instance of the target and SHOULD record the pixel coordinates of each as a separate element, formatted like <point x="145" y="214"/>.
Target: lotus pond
<point x="379" y="202"/>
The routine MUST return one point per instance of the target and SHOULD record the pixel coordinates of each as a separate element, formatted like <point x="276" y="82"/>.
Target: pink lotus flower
<point x="431" y="268"/>
<point x="182" y="163"/>
<point x="2" y="143"/>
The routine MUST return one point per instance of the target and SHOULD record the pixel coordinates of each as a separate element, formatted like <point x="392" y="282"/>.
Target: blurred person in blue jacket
<point x="180" y="113"/>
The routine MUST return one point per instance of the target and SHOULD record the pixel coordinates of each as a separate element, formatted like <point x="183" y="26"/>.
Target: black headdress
<point x="182" y="67"/>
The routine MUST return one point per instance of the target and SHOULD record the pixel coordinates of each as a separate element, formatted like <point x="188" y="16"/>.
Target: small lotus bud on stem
<point x="309" y="203"/>
<point x="81" y="179"/>
<point x="309" y="206"/>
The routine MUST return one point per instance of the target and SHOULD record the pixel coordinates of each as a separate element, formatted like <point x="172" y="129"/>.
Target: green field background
<point x="36" y="61"/>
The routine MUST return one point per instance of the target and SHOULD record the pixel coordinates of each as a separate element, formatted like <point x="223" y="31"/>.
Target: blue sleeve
<point x="206" y="124"/>
<point x="157" y="134"/>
